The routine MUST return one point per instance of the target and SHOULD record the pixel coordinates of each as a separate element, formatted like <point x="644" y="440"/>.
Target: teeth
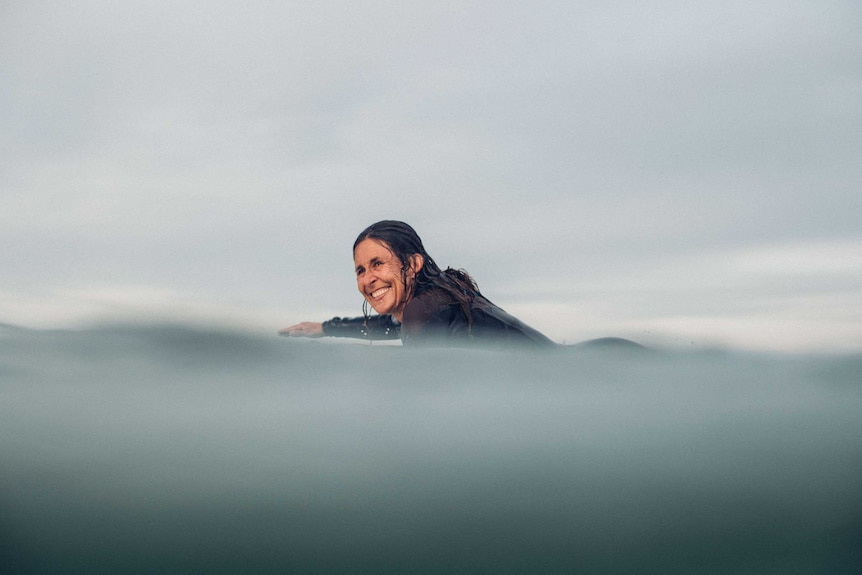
<point x="377" y="293"/>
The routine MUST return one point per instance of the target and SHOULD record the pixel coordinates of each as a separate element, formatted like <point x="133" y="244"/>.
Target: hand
<point x="304" y="329"/>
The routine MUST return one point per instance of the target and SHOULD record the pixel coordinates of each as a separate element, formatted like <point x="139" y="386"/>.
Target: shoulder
<point x="424" y="306"/>
<point x="430" y="316"/>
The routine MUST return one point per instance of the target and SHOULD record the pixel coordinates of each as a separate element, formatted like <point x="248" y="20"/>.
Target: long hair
<point x="404" y="242"/>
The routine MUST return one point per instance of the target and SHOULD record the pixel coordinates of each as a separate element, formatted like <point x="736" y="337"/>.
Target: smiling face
<point x="380" y="276"/>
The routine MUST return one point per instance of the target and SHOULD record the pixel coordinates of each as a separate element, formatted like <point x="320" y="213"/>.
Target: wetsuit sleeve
<point x="373" y="327"/>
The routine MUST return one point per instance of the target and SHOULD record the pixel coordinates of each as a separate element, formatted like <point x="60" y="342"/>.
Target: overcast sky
<point x="686" y="173"/>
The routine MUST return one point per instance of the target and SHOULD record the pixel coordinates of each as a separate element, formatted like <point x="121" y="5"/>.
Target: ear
<point x="416" y="263"/>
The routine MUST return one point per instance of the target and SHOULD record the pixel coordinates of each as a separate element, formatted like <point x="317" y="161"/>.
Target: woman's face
<point x="379" y="276"/>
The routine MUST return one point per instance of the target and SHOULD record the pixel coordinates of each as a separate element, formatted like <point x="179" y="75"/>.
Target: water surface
<point x="131" y="449"/>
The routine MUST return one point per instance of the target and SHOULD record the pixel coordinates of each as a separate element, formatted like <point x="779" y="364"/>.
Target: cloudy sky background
<point x="682" y="173"/>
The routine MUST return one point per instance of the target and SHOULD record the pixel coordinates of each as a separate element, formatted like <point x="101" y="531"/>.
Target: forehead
<point x="371" y="249"/>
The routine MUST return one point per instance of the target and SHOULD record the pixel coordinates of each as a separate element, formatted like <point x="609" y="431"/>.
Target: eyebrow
<point x="373" y="260"/>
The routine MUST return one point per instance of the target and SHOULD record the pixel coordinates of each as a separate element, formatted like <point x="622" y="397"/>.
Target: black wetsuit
<point x="433" y="318"/>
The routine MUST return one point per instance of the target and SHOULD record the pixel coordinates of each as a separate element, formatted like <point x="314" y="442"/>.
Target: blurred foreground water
<point x="179" y="450"/>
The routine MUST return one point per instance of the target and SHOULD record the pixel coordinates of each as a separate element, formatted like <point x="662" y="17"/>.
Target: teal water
<point x="170" y="449"/>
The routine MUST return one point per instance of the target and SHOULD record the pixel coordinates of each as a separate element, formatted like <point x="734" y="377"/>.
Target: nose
<point x="365" y="280"/>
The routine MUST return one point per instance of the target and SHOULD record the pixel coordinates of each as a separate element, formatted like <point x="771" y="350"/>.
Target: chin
<point x="382" y="307"/>
<point x="379" y="309"/>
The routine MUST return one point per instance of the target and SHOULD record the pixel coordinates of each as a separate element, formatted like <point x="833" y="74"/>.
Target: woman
<point x="416" y="300"/>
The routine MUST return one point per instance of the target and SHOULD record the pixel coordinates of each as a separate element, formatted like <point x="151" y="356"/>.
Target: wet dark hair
<point x="403" y="241"/>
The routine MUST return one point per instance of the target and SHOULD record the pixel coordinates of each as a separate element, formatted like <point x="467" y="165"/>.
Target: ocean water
<point x="177" y="449"/>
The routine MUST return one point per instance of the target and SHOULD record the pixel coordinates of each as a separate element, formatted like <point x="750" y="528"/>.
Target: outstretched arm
<point x="374" y="327"/>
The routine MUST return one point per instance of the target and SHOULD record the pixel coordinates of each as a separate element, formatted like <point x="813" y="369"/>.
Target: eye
<point x="360" y="271"/>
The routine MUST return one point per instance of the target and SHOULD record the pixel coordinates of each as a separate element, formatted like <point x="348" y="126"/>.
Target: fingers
<point x="292" y="331"/>
<point x="304" y="329"/>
